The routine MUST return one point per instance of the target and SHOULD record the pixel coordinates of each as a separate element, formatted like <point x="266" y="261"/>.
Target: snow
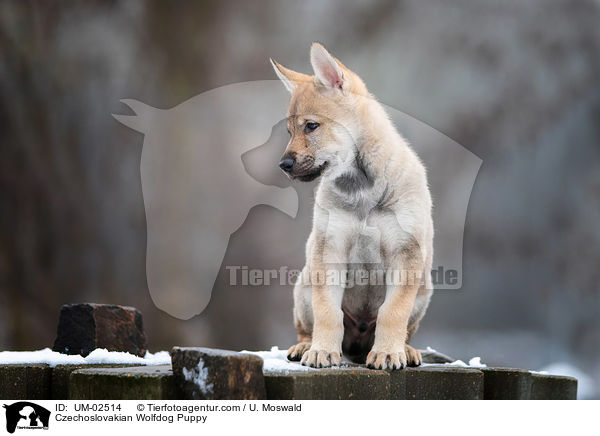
<point x="475" y="362"/>
<point x="98" y="356"/>
<point x="276" y="360"/>
<point x="199" y="376"/>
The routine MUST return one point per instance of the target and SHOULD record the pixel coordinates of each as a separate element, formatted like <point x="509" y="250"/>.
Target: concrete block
<point x="506" y="384"/>
<point x="210" y="374"/>
<point x="553" y="387"/>
<point x="61" y="375"/>
<point x="437" y="383"/>
<point x="127" y="383"/>
<point x="345" y="383"/>
<point x="84" y="327"/>
<point x="25" y="382"/>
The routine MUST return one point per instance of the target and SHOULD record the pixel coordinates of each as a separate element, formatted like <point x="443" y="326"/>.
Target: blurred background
<point x="516" y="83"/>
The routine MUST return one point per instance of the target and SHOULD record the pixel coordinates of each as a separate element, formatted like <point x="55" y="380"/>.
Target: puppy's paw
<point x="321" y="358"/>
<point x="295" y="352"/>
<point x="413" y="356"/>
<point x="386" y="359"/>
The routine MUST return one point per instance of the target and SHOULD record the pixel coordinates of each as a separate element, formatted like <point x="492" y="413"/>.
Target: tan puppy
<point x="372" y="213"/>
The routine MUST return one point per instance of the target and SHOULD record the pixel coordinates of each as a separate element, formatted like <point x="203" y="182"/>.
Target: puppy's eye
<point x="310" y="127"/>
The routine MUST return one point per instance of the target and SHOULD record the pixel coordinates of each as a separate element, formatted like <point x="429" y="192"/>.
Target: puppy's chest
<point x="364" y="246"/>
<point x="367" y="233"/>
<point x="365" y="290"/>
<point x="351" y="196"/>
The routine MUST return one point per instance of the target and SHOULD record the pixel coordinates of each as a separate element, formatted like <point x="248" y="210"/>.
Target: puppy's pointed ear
<point x="328" y="70"/>
<point x="290" y="78"/>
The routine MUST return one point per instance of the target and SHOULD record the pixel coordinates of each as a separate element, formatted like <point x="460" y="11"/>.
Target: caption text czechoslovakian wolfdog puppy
<point x="372" y="220"/>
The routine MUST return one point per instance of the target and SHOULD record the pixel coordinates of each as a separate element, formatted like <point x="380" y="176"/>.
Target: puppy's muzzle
<point x="287" y="164"/>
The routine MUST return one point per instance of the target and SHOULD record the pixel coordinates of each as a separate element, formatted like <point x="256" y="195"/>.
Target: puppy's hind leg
<point x="413" y="356"/>
<point x="303" y="319"/>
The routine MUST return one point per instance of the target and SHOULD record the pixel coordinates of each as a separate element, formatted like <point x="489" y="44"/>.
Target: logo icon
<point x="26" y="415"/>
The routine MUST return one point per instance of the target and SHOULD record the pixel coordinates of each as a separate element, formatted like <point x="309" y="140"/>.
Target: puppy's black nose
<point x="287" y="164"/>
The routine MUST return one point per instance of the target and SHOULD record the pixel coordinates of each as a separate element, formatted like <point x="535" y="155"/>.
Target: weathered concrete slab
<point x="437" y="383"/>
<point x="346" y="383"/>
<point x="506" y="384"/>
<point x="553" y="387"/>
<point x="60" y="385"/>
<point x="25" y="382"/>
<point x="202" y="373"/>
<point x="84" y="327"/>
<point x="210" y="374"/>
<point x="518" y="384"/>
<point x="358" y="382"/>
<point x="129" y="383"/>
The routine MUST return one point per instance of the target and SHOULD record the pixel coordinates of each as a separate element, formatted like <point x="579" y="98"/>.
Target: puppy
<point x="372" y="216"/>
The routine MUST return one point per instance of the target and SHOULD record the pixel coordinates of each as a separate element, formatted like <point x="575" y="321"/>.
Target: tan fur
<point x="372" y="209"/>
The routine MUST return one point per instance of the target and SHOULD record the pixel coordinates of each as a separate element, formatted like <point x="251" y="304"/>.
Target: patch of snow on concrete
<point x="98" y="356"/>
<point x="158" y="358"/>
<point x="199" y="376"/>
<point x="457" y="363"/>
<point x="276" y="360"/>
<point x="475" y="362"/>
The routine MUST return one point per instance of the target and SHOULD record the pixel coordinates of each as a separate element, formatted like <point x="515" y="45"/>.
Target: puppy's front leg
<point x="389" y="349"/>
<point x="328" y="329"/>
<point x="390" y="332"/>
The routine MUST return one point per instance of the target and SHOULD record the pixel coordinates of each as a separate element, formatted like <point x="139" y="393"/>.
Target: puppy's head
<point x="323" y="116"/>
